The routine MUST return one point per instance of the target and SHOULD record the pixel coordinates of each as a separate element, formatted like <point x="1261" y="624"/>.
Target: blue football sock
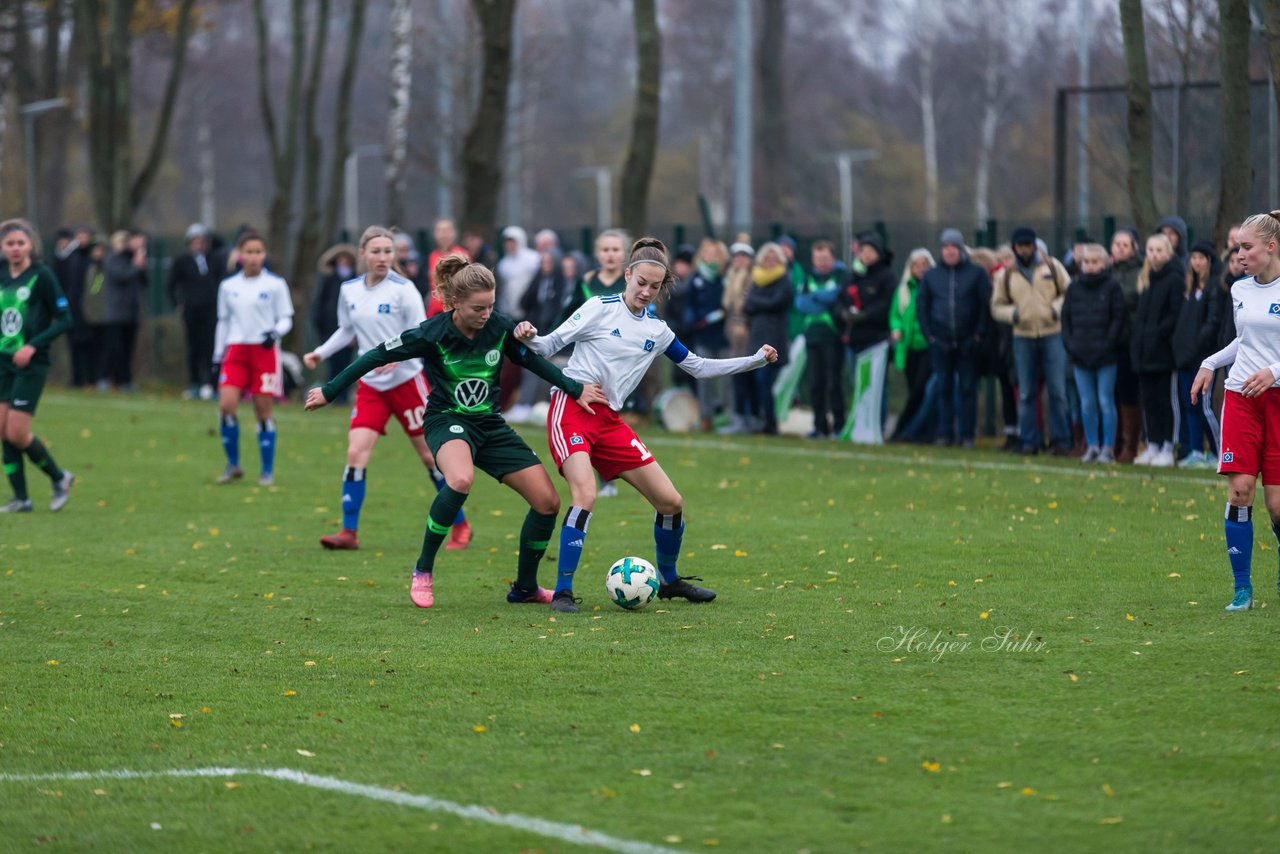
<point x="231" y="439"/>
<point x="668" y="534"/>
<point x="572" y="537"/>
<point x="352" y="496"/>
<point x="267" y="444"/>
<point x="1239" y="531"/>
<point x="437" y="477"/>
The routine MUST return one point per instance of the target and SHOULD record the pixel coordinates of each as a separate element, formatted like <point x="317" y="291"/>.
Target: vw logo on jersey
<point x="384" y="308"/>
<point x="471" y="394"/>
<point x="491" y="358"/>
<point x="10" y="322"/>
<point x="24" y="293"/>
<point x="1274" y="309"/>
<point x="648" y="344"/>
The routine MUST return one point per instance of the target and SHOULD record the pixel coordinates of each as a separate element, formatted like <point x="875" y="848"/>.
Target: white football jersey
<point x="1257" y="313"/>
<point x="250" y="308"/>
<point x="614" y="348"/>
<point x="373" y="315"/>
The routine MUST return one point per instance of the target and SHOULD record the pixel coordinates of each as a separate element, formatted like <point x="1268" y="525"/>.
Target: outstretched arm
<point x="399" y="349"/>
<point x="696" y="366"/>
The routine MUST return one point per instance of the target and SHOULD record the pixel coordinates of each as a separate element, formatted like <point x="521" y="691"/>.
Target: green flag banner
<point x="788" y="380"/>
<point x="863" y="425"/>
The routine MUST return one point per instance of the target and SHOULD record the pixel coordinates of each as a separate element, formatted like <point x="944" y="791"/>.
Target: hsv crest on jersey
<point x="263" y="295"/>
<point x="1228" y="457"/>
<point x="575" y="439"/>
<point x="648" y="344"/>
<point x="1274" y="308"/>
<point x="384" y="308"/>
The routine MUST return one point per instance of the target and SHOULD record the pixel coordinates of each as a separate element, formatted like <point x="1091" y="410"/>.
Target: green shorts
<point x="21" y="389"/>
<point x="496" y="449"/>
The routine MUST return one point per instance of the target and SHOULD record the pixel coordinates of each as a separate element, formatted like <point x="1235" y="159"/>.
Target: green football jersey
<point x="463" y="372"/>
<point x="33" y="310"/>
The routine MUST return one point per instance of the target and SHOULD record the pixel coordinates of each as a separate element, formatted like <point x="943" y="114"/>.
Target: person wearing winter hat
<point x="951" y="306"/>
<point x="1195" y="337"/>
<point x="1028" y="296"/>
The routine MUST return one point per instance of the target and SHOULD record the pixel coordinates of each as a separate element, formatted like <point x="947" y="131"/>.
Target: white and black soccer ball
<point x="632" y="583"/>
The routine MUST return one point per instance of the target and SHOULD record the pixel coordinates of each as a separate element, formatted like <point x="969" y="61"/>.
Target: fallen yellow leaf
<point x="289" y="693"/>
<point x="634" y="727"/>
<point x="931" y="767"/>
<point x="479" y="728"/>
<point x="302" y="752"/>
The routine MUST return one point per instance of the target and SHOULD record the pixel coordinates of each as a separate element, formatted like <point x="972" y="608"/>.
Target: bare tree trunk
<point x="58" y="127"/>
<point x="1138" y="84"/>
<point x="774" y="194"/>
<point x="930" y="137"/>
<point x="1237" y="171"/>
<point x="119" y="124"/>
<point x="637" y="172"/>
<point x="482" y="150"/>
<point x="308" y="248"/>
<point x="281" y="146"/>
<point x="8" y="23"/>
<point x="342" y="122"/>
<point x="142" y="184"/>
<point x="98" y="85"/>
<point x="398" y="118"/>
<point x="1272" y="11"/>
<point x="987" y="137"/>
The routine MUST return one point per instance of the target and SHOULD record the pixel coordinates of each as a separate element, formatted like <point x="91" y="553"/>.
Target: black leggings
<point x="1157" y="392"/>
<point x="826" y="385"/>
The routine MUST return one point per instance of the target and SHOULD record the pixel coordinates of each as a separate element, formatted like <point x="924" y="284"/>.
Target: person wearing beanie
<point x="951" y="307"/>
<point x="1028" y="296"/>
<point x="870" y="292"/>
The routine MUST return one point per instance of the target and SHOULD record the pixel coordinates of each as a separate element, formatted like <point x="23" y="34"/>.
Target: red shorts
<point x="613" y="446"/>
<point x="1251" y="435"/>
<point x="407" y="402"/>
<point x="252" y="368"/>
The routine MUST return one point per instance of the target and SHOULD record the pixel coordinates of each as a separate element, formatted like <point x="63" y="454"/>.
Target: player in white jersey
<point x="254" y="312"/>
<point x="373" y="308"/>
<point x="1251" y="403"/>
<point x="616" y="338"/>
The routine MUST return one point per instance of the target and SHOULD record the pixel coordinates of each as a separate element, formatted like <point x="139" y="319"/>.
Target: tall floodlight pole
<point x="30" y="112"/>
<point x="351" y="181"/>
<point x="742" y="71"/>
<point x="603" y="176"/>
<point x="444" y="110"/>
<point x="1084" y="29"/>
<point x="515" y="126"/>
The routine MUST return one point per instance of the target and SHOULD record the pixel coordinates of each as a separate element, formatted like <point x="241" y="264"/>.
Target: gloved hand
<point x="269" y="340"/>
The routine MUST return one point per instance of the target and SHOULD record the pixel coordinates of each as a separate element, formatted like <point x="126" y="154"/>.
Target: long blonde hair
<point x="904" y="287"/>
<point x="1144" y="277"/>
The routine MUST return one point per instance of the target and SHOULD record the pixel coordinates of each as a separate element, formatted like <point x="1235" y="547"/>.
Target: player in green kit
<point x="33" y="311"/>
<point x="462" y="352"/>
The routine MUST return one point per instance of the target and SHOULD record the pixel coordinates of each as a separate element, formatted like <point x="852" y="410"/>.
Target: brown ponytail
<point x="458" y="278"/>
<point x="651" y="250"/>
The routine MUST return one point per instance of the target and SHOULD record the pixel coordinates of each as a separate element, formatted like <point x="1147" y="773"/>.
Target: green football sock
<point x="439" y="520"/>
<point x="534" y="536"/>
<point x="40" y="455"/>
<point x="13" y="469"/>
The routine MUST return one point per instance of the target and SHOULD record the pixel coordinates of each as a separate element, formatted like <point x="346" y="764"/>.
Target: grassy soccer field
<point x="954" y="651"/>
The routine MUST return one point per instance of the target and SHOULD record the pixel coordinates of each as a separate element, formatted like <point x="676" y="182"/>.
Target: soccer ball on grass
<point x="632" y="583"/>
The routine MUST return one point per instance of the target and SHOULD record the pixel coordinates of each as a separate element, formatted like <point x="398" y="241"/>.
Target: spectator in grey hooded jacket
<point x="952" y="308"/>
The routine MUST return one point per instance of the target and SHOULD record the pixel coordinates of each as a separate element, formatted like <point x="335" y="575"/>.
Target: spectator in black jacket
<point x="1160" y="288"/>
<point x="194" y="277"/>
<point x="336" y="265"/>
<point x="952" y="307"/>
<point x="702" y="317"/>
<point x="125" y="283"/>
<point x="1094" y="318"/>
<point x="767" y="306"/>
<point x="1195" y="337"/>
<point x="71" y="266"/>
<point x="867" y="301"/>
<point x="542" y="305"/>
<point x="1126" y="264"/>
<point x="817" y="300"/>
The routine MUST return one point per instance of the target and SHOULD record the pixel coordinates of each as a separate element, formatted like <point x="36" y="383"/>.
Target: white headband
<point x="647" y="261"/>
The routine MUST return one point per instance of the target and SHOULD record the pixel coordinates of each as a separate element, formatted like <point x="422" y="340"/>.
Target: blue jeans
<point x="1097" y="388"/>
<point x="956" y="369"/>
<point x="1037" y="359"/>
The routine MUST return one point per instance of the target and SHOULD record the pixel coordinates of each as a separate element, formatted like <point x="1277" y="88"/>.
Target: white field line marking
<point x="827" y="451"/>
<point x="571" y="833"/>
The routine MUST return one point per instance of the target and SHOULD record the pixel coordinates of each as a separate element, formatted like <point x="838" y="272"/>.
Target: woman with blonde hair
<point x="462" y="351"/>
<point x="1160" y="287"/>
<point x="737" y="282"/>
<point x="372" y="308"/>
<point x="1251" y="402"/>
<point x="910" y="347"/>
<point x="767" y="307"/>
